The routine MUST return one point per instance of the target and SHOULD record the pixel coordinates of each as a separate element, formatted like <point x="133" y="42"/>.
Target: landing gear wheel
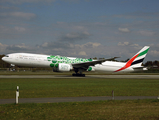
<point x="83" y="75"/>
<point x="79" y="75"/>
<point x="73" y="74"/>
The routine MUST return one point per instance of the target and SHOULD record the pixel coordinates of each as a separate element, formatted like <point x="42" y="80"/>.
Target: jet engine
<point x="62" y="67"/>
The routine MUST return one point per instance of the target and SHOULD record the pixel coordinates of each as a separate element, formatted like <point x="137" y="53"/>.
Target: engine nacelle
<point x="91" y="68"/>
<point x="62" y="67"/>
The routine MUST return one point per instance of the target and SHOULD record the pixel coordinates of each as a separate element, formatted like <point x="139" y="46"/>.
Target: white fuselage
<point x="26" y="59"/>
<point x="111" y="66"/>
<point x="37" y="60"/>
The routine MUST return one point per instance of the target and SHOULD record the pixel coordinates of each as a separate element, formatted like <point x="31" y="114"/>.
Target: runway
<point x="87" y="76"/>
<point x="74" y="99"/>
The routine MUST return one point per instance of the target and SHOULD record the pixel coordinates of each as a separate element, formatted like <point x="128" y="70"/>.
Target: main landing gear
<point x="78" y="74"/>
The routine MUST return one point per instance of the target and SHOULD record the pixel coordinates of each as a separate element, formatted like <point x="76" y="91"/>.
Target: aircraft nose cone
<point x="3" y="58"/>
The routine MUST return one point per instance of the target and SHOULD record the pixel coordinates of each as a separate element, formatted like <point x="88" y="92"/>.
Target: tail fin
<point x="137" y="59"/>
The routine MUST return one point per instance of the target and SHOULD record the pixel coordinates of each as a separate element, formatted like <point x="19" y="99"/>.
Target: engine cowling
<point x="62" y="67"/>
<point x="91" y="68"/>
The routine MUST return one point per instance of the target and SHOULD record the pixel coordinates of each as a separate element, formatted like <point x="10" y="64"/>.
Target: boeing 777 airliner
<point x="63" y="64"/>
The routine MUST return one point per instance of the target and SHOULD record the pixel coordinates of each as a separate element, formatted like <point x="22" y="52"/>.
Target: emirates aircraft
<point x="64" y="64"/>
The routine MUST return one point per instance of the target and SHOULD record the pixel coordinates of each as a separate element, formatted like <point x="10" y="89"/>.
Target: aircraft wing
<point x="85" y="65"/>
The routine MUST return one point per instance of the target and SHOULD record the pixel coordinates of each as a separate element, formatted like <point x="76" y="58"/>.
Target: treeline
<point x="154" y="64"/>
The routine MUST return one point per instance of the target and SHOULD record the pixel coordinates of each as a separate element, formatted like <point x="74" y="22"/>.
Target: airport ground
<point x="65" y="86"/>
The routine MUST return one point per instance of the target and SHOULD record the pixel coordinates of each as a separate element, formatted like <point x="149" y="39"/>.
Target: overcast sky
<point x="80" y="28"/>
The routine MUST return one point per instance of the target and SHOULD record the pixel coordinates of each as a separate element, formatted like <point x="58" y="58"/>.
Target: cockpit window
<point x="6" y="56"/>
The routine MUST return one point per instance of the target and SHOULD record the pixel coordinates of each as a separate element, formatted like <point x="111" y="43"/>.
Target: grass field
<point x="40" y="88"/>
<point x="98" y="110"/>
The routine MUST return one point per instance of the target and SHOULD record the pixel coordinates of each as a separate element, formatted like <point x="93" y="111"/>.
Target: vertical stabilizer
<point x="137" y="59"/>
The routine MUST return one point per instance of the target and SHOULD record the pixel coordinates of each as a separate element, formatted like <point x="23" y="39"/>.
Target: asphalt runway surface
<point x="87" y="76"/>
<point x="78" y="99"/>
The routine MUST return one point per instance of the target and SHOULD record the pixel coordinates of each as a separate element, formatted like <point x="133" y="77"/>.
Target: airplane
<point x="134" y="64"/>
<point x="65" y="64"/>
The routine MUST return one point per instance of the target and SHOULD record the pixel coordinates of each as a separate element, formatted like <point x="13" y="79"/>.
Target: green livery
<point x="60" y="59"/>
